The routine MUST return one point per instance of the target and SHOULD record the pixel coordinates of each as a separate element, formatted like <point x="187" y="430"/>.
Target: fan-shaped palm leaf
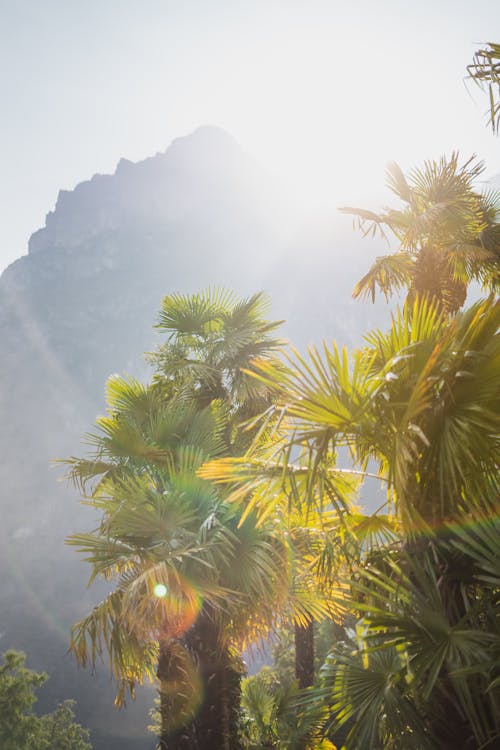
<point x="446" y="230"/>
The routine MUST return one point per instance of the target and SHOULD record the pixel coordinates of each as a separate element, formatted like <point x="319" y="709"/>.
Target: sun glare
<point x="160" y="590"/>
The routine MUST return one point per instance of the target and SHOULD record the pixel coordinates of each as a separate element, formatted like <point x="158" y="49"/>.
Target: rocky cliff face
<point x="81" y="306"/>
<point x="205" y="178"/>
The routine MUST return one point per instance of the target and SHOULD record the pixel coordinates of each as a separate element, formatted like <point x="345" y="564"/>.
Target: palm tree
<point x="166" y="537"/>
<point x="212" y="340"/>
<point x="274" y="716"/>
<point x="424" y="670"/>
<point x="322" y="526"/>
<point x="448" y="234"/>
<point x="422" y="402"/>
<point x="485" y="71"/>
<point x="189" y="578"/>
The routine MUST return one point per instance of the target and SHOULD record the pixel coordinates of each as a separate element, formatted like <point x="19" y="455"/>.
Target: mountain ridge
<point x="148" y="190"/>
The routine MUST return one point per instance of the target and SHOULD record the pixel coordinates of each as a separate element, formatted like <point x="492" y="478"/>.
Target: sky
<point x="322" y="93"/>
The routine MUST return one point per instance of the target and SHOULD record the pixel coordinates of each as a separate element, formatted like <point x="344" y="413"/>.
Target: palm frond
<point x="368" y="692"/>
<point x="194" y="314"/>
<point x="390" y="273"/>
<point x="485" y="71"/>
<point x="442" y="211"/>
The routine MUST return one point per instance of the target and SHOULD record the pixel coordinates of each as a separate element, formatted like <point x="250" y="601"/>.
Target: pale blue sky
<point x="322" y="92"/>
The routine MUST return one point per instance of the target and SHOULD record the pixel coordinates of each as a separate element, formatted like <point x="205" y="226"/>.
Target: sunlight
<point x="309" y="124"/>
<point x="160" y="590"/>
<point x="287" y="508"/>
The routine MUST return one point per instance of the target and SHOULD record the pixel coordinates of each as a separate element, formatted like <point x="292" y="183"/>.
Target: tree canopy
<point x="20" y="727"/>
<point x="192" y="577"/>
<point x="448" y="234"/>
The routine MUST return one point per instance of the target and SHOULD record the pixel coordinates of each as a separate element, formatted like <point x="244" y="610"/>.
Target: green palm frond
<point x="131" y="660"/>
<point x="473" y="261"/>
<point x="390" y="273"/>
<point x="306" y="605"/>
<point x="440" y="229"/>
<point x="168" y="433"/>
<point x="259" y="707"/>
<point x="368" y="692"/>
<point x="276" y="716"/>
<point x="485" y="71"/>
<point x="128" y="396"/>
<point x="480" y="541"/>
<point x="373" y="531"/>
<point x="194" y="314"/>
<point x="421" y="400"/>
<point x="250" y="313"/>
<point x="264" y="485"/>
<point x="434" y="614"/>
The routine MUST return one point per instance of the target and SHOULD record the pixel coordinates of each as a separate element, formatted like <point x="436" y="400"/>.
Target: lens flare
<point x="170" y="609"/>
<point x="160" y="590"/>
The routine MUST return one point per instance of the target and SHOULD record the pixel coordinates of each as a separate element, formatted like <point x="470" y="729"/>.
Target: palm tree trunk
<point x="304" y="654"/>
<point x="216" y="722"/>
<point x="213" y="725"/>
<point x="170" y="672"/>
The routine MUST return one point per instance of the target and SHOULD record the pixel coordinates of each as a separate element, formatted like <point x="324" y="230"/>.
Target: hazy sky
<point x="323" y="92"/>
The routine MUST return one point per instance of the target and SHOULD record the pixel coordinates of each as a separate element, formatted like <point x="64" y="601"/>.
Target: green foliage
<point x="367" y="692"/>
<point x="20" y="728"/>
<point x="273" y="716"/>
<point x="18" y="725"/>
<point x="448" y="234"/>
<point x="212" y="340"/>
<point x="162" y="524"/>
<point x="283" y="655"/>
<point x="423" y="671"/>
<point x="326" y="633"/>
<point x="224" y="577"/>
<point x="58" y="731"/>
<point x="278" y="537"/>
<point x="421" y="401"/>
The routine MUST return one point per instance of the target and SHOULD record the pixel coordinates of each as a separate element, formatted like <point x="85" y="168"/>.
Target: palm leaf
<point x="389" y="272"/>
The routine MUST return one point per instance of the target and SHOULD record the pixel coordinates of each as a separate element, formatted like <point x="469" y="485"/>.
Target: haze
<point x="321" y="93"/>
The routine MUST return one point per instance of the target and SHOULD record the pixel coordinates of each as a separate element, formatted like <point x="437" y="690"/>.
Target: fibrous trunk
<point x="209" y="684"/>
<point x="304" y="654"/>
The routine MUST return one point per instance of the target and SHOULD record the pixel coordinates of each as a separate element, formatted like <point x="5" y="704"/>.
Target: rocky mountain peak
<point x="171" y="186"/>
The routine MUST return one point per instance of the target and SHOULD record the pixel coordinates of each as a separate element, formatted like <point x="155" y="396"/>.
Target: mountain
<point x="80" y="306"/>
